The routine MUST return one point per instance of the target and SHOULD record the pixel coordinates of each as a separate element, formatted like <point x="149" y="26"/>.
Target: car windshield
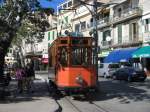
<point x="130" y="69"/>
<point x="114" y="66"/>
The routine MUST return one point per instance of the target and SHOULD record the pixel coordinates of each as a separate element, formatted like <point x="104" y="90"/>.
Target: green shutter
<point x="49" y="35"/>
<point x="49" y="44"/>
<point x="120" y="33"/>
<point x="53" y="35"/>
<point x="130" y="31"/>
<point x="66" y="19"/>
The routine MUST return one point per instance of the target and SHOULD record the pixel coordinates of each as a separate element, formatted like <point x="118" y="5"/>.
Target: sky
<point x="52" y="4"/>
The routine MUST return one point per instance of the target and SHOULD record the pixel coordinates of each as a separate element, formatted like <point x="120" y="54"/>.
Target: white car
<point x="107" y="69"/>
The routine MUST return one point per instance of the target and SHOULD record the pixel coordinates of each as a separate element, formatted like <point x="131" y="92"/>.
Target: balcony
<point x="106" y="43"/>
<point x="126" y="42"/>
<point x="127" y="14"/>
<point x="104" y="22"/>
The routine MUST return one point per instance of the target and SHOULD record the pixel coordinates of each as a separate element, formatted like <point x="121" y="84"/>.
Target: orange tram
<point x="74" y="63"/>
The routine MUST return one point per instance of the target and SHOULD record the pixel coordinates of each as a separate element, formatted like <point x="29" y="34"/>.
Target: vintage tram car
<point x="74" y="63"/>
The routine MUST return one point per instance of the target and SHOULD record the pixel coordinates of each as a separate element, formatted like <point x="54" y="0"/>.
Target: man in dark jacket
<point x="30" y="75"/>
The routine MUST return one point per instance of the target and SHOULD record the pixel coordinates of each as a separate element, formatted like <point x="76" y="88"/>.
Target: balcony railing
<point x="104" y="22"/>
<point x="106" y="43"/>
<point x="126" y="41"/>
<point x="127" y="14"/>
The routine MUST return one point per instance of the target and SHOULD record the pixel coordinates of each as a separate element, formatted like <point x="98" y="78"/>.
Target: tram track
<point x="64" y="102"/>
<point x="93" y="107"/>
<point x="87" y="106"/>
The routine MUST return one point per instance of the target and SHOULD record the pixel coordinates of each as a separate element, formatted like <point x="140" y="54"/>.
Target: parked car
<point x="129" y="74"/>
<point x="107" y="69"/>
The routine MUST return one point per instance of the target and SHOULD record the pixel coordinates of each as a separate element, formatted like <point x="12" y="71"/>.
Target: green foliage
<point x="24" y="17"/>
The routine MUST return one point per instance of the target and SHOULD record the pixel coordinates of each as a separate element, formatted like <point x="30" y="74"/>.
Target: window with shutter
<point x="147" y="21"/>
<point x="49" y="35"/>
<point x="77" y="28"/>
<point x="130" y="32"/>
<point x="53" y="35"/>
<point x="66" y="19"/>
<point x="119" y="33"/>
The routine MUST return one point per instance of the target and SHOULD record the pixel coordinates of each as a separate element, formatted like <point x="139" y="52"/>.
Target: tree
<point x="13" y="16"/>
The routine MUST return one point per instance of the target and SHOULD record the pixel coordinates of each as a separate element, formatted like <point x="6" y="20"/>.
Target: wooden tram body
<point x="72" y="58"/>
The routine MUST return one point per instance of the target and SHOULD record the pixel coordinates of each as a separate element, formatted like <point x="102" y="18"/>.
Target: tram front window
<point x="79" y="56"/>
<point x="63" y="56"/>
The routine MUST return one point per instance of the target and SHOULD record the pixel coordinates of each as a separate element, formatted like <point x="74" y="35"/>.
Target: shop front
<point x="44" y="62"/>
<point x="103" y="54"/>
<point x="118" y="55"/>
<point x="144" y="55"/>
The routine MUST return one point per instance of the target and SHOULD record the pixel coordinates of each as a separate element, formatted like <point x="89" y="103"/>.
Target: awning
<point x="142" y="52"/>
<point x="120" y="55"/>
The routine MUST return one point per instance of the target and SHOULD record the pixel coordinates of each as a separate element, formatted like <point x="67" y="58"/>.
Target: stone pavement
<point x="39" y="101"/>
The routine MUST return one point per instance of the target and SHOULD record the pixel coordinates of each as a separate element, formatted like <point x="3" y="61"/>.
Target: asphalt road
<point x="114" y="96"/>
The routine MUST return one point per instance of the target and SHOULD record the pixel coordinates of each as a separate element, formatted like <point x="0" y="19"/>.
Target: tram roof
<point x="70" y="37"/>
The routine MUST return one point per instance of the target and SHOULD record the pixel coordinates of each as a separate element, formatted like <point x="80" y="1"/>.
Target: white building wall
<point x="145" y="4"/>
<point x="45" y="43"/>
<point x="85" y="31"/>
<point x="125" y="33"/>
<point x="115" y="38"/>
<point x="146" y="16"/>
<point x="64" y="25"/>
<point x="100" y="38"/>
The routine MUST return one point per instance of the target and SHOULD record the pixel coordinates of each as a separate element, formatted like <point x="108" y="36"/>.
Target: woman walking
<point x="20" y="73"/>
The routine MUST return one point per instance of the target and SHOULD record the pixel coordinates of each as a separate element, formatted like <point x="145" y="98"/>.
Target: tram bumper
<point x="76" y="90"/>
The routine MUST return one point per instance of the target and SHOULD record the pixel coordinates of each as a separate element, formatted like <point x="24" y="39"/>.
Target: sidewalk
<point x="41" y="72"/>
<point x="39" y="101"/>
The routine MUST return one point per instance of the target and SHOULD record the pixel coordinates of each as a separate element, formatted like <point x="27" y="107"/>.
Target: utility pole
<point x="94" y="14"/>
<point x="95" y="35"/>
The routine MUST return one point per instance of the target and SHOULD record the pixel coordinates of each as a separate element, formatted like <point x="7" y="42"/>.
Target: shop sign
<point x="146" y="37"/>
<point x="45" y="60"/>
<point x="104" y="53"/>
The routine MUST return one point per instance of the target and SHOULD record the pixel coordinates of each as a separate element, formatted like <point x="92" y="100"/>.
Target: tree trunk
<point x="2" y="58"/>
<point x="4" y="46"/>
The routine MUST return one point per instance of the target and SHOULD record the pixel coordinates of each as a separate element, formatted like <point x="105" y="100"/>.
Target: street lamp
<point x="95" y="35"/>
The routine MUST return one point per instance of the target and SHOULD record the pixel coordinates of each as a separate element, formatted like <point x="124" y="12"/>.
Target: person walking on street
<point x="30" y="75"/>
<point x="19" y="76"/>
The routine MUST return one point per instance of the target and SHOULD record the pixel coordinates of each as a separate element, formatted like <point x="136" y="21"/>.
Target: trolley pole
<point x="95" y="35"/>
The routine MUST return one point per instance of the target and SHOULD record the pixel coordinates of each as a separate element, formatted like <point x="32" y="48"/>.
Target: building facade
<point x="146" y="22"/>
<point x="124" y="24"/>
<point x="76" y="17"/>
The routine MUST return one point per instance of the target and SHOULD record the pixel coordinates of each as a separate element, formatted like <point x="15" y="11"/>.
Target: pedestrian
<point x="30" y="76"/>
<point x="19" y="76"/>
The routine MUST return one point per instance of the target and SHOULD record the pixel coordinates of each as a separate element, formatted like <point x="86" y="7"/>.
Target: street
<point x="114" y="96"/>
<point x="78" y="44"/>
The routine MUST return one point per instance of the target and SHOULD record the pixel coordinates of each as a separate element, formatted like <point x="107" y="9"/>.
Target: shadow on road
<point x="39" y="90"/>
<point x="123" y="91"/>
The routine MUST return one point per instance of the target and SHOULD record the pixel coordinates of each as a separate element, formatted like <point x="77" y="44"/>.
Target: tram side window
<point x="63" y="56"/>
